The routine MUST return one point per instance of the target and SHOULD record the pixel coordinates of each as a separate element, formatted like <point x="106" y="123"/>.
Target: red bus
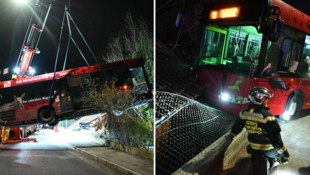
<point x="255" y="43"/>
<point x="25" y="100"/>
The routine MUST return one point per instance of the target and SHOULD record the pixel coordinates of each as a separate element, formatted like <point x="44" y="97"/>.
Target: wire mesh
<point x="184" y="128"/>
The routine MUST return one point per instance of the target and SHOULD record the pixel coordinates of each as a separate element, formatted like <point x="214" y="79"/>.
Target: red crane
<point x="32" y="38"/>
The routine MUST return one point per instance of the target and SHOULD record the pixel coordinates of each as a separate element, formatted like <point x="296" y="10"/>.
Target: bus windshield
<point x="230" y="45"/>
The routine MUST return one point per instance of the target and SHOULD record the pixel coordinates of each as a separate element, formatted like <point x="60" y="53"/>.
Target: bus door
<point x="65" y="98"/>
<point x="76" y="87"/>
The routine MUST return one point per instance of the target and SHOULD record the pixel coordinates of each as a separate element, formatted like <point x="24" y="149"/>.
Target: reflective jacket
<point x="262" y="127"/>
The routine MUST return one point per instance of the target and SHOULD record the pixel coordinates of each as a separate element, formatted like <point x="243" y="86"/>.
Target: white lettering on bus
<point x="35" y="99"/>
<point x="7" y="84"/>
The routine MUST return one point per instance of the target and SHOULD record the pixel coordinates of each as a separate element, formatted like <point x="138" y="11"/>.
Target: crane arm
<point x="32" y="38"/>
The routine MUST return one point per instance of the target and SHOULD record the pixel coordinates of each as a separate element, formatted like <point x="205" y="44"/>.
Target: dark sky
<point x="98" y="20"/>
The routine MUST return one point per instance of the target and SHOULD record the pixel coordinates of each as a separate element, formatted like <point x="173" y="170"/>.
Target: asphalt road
<point x="52" y="154"/>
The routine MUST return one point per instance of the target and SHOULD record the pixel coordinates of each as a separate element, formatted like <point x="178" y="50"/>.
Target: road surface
<point x="53" y="154"/>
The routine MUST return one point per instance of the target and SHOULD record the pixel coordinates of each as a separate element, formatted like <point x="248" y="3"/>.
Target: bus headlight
<point x="225" y="96"/>
<point x="230" y="98"/>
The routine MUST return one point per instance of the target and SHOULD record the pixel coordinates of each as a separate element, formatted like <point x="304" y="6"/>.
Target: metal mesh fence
<point x="184" y="128"/>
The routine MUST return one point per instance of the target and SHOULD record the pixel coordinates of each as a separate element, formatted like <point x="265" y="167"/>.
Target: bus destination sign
<point x="231" y="12"/>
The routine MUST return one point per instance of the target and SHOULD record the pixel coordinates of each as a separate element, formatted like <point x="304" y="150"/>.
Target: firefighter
<point x="263" y="130"/>
<point x="5" y="134"/>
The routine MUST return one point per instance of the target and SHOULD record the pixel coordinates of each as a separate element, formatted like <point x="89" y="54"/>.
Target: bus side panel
<point x="30" y="110"/>
<point x="65" y="98"/>
<point x="305" y="86"/>
<point x="289" y="15"/>
<point x="20" y="104"/>
<point x="76" y="85"/>
<point x="211" y="81"/>
<point x="277" y="103"/>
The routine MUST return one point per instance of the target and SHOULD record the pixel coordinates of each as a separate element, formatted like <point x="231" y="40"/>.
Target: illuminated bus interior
<point x="239" y="47"/>
<point x="226" y="45"/>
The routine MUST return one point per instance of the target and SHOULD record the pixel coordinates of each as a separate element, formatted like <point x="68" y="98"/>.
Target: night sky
<point x="98" y="20"/>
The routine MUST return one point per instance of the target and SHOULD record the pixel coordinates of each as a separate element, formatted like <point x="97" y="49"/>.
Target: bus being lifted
<point x="51" y="97"/>
<point x="255" y="43"/>
<point x="26" y="100"/>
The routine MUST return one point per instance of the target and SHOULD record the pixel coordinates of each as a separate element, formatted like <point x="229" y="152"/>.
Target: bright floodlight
<point x="16" y="70"/>
<point x="21" y="2"/>
<point x="32" y="71"/>
<point x="225" y="96"/>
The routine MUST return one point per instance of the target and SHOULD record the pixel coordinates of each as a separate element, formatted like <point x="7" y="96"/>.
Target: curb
<point x="107" y="162"/>
<point x="132" y="150"/>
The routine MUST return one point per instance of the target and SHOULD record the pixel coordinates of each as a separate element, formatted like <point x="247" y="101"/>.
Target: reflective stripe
<point x="248" y="116"/>
<point x="257" y="146"/>
<point x="282" y="150"/>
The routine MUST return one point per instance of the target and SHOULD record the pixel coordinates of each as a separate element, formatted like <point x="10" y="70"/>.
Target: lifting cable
<point x="67" y="16"/>
<point x="82" y="38"/>
<point x="55" y="67"/>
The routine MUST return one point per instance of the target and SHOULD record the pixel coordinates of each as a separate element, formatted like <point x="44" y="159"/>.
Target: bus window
<point x="253" y="47"/>
<point x="306" y="56"/>
<point x="306" y="51"/>
<point x="286" y="49"/>
<point x="227" y="46"/>
<point x="291" y="55"/>
<point x="236" y="44"/>
<point x="244" y="43"/>
<point x="212" y="45"/>
<point x="285" y="54"/>
<point x="139" y="82"/>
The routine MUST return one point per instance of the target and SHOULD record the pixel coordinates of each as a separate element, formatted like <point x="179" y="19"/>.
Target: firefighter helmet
<point x="258" y="94"/>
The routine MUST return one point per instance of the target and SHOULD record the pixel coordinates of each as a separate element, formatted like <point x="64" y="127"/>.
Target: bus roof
<point x="129" y="63"/>
<point x="245" y="12"/>
<point x="292" y="16"/>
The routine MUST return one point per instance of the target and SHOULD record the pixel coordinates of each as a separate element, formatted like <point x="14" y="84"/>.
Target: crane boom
<point x="32" y="38"/>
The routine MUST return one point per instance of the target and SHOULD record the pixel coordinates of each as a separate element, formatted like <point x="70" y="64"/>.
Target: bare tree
<point x="136" y="40"/>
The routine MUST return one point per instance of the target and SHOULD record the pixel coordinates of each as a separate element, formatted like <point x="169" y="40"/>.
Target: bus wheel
<point x="54" y="122"/>
<point x="290" y="108"/>
<point x="46" y="115"/>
